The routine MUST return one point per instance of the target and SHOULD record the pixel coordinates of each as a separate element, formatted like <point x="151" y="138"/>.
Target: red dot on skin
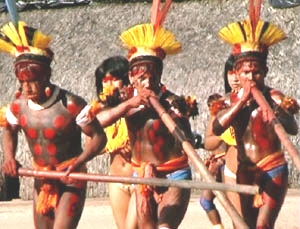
<point x="15" y="108"/>
<point x="137" y="146"/>
<point x="59" y="121"/>
<point x="37" y="149"/>
<point x="72" y="108"/>
<point x="73" y="206"/>
<point x="23" y="120"/>
<point x="156" y="148"/>
<point x="151" y="134"/>
<point x="53" y="161"/>
<point x="160" y="141"/>
<point x="31" y="133"/>
<point x="40" y="162"/>
<point x="49" y="133"/>
<point x="51" y="149"/>
<point x="156" y="124"/>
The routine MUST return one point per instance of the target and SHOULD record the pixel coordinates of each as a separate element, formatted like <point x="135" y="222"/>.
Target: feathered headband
<point x="151" y="39"/>
<point x="252" y="37"/>
<point x="24" y="42"/>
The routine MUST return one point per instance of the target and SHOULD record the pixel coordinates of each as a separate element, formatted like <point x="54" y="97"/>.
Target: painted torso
<point x="151" y="140"/>
<point x="255" y="138"/>
<point x="52" y="133"/>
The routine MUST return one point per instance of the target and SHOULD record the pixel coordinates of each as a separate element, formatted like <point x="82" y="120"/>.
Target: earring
<point x="48" y="91"/>
<point x="18" y="93"/>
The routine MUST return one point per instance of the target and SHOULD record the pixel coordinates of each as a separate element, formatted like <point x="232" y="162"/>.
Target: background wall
<point x="84" y="36"/>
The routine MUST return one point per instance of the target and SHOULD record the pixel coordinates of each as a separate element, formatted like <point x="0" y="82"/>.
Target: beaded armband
<point x="290" y="104"/>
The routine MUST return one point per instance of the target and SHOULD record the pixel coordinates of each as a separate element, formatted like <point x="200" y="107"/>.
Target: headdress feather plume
<point x="253" y="34"/>
<point x="16" y="38"/>
<point x="254" y="14"/>
<point x="151" y="39"/>
<point x="159" y="14"/>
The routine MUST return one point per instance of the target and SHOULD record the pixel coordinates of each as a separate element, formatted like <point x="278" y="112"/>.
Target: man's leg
<point x="206" y="201"/>
<point x="41" y="221"/>
<point x="172" y="207"/>
<point x="146" y="208"/>
<point x="274" y="184"/>
<point x="70" y="207"/>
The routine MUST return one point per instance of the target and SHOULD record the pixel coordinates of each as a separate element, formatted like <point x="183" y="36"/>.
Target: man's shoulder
<point x="287" y="103"/>
<point x="276" y="95"/>
<point x="71" y="101"/>
<point x="72" y="97"/>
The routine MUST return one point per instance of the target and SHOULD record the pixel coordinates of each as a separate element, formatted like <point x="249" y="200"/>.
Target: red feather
<point x="158" y="14"/>
<point x="254" y="14"/>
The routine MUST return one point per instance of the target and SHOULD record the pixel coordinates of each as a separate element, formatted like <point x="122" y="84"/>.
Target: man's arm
<point x="97" y="141"/>
<point x="285" y="111"/>
<point x="225" y="117"/>
<point x="9" y="145"/>
<point x="109" y="116"/>
<point x="211" y="141"/>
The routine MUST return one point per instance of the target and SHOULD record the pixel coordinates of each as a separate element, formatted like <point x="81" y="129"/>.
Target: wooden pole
<point x="197" y="162"/>
<point x="278" y="128"/>
<point x="186" y="184"/>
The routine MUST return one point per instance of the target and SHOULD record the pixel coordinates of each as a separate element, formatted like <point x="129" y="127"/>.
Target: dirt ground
<point x="17" y="214"/>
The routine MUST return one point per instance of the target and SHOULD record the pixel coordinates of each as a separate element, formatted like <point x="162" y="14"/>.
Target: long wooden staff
<point x="186" y="184"/>
<point x="197" y="162"/>
<point x="278" y="128"/>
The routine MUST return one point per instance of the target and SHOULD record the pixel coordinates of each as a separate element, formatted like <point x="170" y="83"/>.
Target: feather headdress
<point x="24" y="42"/>
<point x="151" y="39"/>
<point x="252" y="36"/>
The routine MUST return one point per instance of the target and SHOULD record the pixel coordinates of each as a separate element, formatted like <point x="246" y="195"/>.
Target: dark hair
<point x="117" y="66"/>
<point x="229" y="65"/>
<point x="212" y="98"/>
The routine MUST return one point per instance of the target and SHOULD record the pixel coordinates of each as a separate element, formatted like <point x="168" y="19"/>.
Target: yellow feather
<point x="233" y="34"/>
<point x="167" y="41"/>
<point x="131" y="37"/>
<point x="149" y="34"/>
<point x="22" y="34"/>
<point x="139" y="35"/>
<point x="7" y="47"/>
<point x="259" y="28"/>
<point x="144" y="36"/>
<point x="40" y="40"/>
<point x="164" y="39"/>
<point x="227" y="34"/>
<point x="10" y="31"/>
<point x="272" y="35"/>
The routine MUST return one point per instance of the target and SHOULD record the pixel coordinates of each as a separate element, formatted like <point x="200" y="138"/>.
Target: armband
<point x="290" y="104"/>
<point x="218" y="129"/>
